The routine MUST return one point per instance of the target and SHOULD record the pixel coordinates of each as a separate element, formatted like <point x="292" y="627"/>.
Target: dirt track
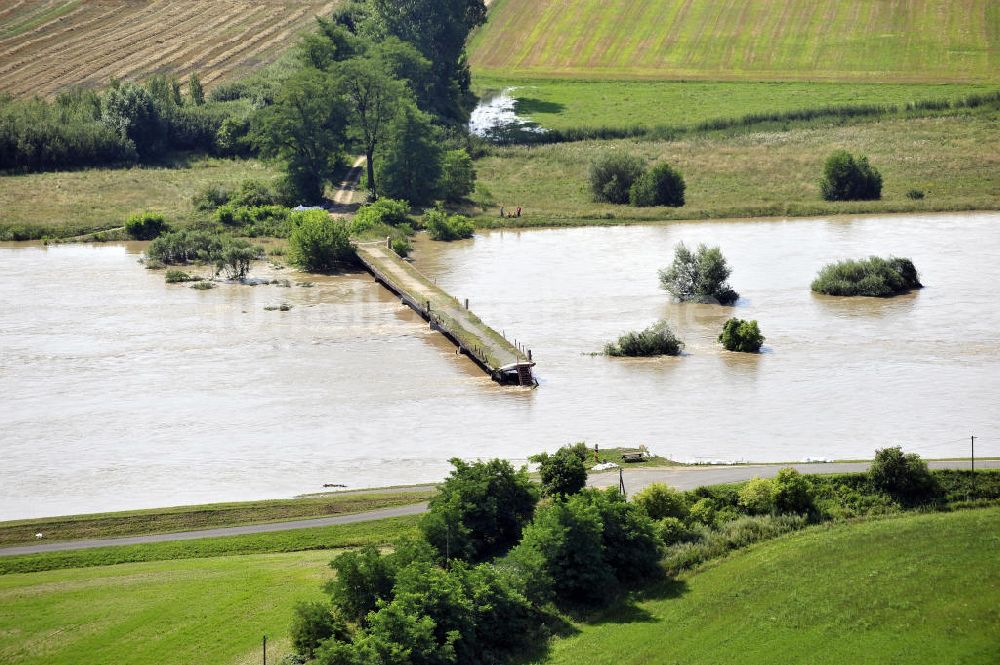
<point x="50" y="45"/>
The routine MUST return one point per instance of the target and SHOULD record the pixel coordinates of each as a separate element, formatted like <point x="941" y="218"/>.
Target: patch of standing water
<point x="495" y="119"/>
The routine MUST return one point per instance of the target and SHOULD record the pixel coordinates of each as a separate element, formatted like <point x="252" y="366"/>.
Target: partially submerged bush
<point x="848" y="179"/>
<point x="392" y="212"/>
<point x="699" y="276"/>
<point x="179" y="276"/>
<point x="235" y="258"/>
<point x="612" y="175"/>
<point x="146" y="225"/>
<point x="662" y="185"/>
<point x="656" y="340"/>
<point x="319" y="243"/>
<point x="184" y="247"/>
<point x="442" y="226"/>
<point x="740" y="335"/>
<point x="874" y="276"/>
<point x="402" y="246"/>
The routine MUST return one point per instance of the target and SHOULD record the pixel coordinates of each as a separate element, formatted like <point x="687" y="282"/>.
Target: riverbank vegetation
<point x="656" y="340"/>
<point x="850" y="178"/>
<point x="875" y="276"/>
<point x="576" y="554"/>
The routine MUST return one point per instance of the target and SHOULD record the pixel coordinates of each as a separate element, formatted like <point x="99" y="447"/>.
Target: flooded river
<point x="119" y="391"/>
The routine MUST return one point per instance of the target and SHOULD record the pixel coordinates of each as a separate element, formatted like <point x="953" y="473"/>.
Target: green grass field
<point x="379" y="532"/>
<point x="174" y="612"/>
<point x="186" y="518"/>
<point x="776" y="40"/>
<point x="71" y="203"/>
<point x="954" y="159"/>
<point x="565" y="104"/>
<point x="913" y="589"/>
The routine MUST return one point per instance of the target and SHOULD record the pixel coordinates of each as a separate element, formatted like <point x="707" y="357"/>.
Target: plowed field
<point x="48" y="45"/>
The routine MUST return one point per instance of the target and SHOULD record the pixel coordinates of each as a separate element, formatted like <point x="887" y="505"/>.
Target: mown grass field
<point x="377" y="532"/>
<point x="913" y="589"/>
<point x="565" y="104"/>
<point x="790" y="40"/>
<point x="196" y="611"/>
<point x="954" y="160"/>
<point x="72" y="203"/>
<point x="188" y="518"/>
<point x="49" y="45"/>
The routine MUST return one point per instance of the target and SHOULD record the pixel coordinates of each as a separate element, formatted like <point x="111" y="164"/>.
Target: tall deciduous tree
<point x="411" y="163"/>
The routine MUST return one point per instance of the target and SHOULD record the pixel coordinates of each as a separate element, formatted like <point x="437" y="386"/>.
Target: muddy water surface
<point x="119" y="391"/>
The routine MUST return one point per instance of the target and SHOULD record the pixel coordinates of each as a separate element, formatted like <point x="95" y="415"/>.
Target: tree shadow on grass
<point x="529" y="105"/>
<point x="627" y="610"/>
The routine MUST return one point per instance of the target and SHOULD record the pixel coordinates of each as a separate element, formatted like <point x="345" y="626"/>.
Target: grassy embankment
<point x="574" y="104"/>
<point x="172" y="612"/>
<point x="208" y="516"/>
<point x="756" y="40"/>
<point x="71" y="203"/>
<point x="909" y="589"/>
<point x="954" y="159"/>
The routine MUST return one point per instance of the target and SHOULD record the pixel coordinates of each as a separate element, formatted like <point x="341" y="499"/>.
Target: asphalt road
<point x="685" y="478"/>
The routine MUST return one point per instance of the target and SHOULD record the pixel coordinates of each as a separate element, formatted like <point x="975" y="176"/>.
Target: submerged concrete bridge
<point x="506" y="362"/>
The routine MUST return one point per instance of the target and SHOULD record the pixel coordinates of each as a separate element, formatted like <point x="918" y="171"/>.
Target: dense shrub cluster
<point x="874" y="276"/>
<point x="846" y="178"/>
<point x="442" y="226"/>
<point x="699" y="276"/>
<point x="188" y="246"/>
<point x="319" y="243"/>
<point x="563" y="473"/>
<point x="661" y="185"/>
<point x="740" y="335"/>
<point x="145" y="225"/>
<point x="391" y="212"/>
<point x="656" y="340"/>
<point x="620" y="177"/>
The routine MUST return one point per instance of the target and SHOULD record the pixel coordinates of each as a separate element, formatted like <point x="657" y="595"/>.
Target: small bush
<point x="662" y="501"/>
<point x="319" y="243"/>
<point x="759" y="496"/>
<point x="874" y="276"/>
<point x="703" y="512"/>
<point x="732" y="535"/>
<point x="392" y="212"/>
<point x="656" y="340"/>
<point x="402" y="246"/>
<point x="905" y="477"/>
<point x="672" y="531"/>
<point x="441" y="226"/>
<point x="699" y="276"/>
<point x="915" y="194"/>
<point x="146" y="226"/>
<point x="793" y="493"/>
<point x="740" y="335"/>
<point x="312" y="623"/>
<point x="203" y="286"/>
<point x="254" y="193"/>
<point x="235" y="258"/>
<point x="848" y="179"/>
<point x="184" y="247"/>
<point x="178" y="276"/>
<point x="612" y="175"/>
<point x="660" y="186"/>
<point x="210" y="197"/>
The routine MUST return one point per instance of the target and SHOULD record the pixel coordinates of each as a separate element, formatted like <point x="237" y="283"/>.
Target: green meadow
<point x="571" y="104"/>
<point x="912" y="589"/>
<point x="746" y="40"/>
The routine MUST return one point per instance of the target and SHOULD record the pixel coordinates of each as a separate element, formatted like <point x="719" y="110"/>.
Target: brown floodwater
<point x="119" y="391"/>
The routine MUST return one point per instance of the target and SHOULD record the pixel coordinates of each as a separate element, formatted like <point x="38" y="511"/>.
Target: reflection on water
<point x="495" y="119"/>
<point x="120" y="391"/>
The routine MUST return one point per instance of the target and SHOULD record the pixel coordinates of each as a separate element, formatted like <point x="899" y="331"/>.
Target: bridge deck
<point x="504" y="361"/>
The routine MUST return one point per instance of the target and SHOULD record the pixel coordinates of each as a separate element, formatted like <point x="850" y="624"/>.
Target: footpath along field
<point x="49" y="45"/>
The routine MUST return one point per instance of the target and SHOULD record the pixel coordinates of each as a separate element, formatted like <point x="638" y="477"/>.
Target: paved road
<point x="396" y="511"/>
<point x="685" y="478"/>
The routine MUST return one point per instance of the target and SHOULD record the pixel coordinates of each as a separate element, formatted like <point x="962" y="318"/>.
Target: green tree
<point x="479" y="510"/>
<point x="656" y="340"/>
<point x="699" y="276"/>
<point x="846" y="178"/>
<point x="373" y="96"/>
<point x="130" y="111"/>
<point x="662" y="185"/>
<point x="903" y="476"/>
<point x="442" y="226"/>
<point x="195" y="90"/>
<point x="794" y="493"/>
<point x="458" y="175"/>
<point x="305" y="128"/>
<point x="146" y="225"/>
<point x="759" y="496"/>
<point x="612" y="175"/>
<point x="320" y="244"/>
<point x="312" y="624"/>
<point x="410" y="166"/>
<point x="660" y="501"/>
<point x="632" y="545"/>
<point x="563" y="472"/>
<point x="235" y="258"/>
<point x="740" y="335"/>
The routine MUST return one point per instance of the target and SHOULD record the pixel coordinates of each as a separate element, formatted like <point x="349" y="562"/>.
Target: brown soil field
<point x="49" y="45"/>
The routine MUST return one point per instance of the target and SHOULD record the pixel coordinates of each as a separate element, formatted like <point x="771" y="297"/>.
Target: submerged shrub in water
<point x="699" y="276"/>
<point x="874" y="276"/>
<point x="236" y="257"/>
<point x="740" y="335"/>
<point x="656" y="340"/>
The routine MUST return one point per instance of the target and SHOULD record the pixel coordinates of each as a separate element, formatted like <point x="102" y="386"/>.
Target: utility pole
<point x="621" y="481"/>
<point x="972" y="443"/>
<point x="264" y="649"/>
